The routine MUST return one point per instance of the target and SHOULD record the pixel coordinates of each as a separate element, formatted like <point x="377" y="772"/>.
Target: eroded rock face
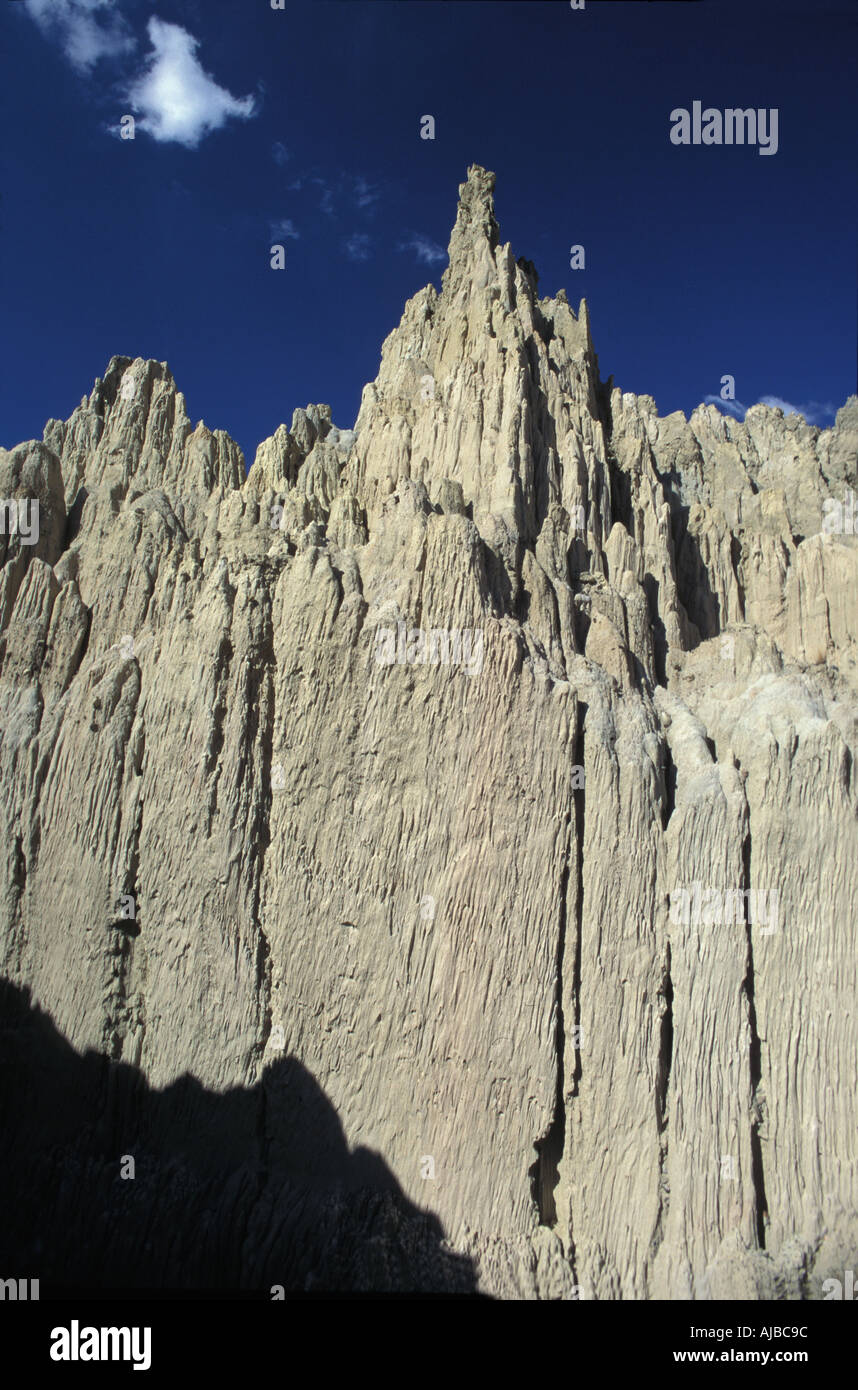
<point x="388" y="818"/>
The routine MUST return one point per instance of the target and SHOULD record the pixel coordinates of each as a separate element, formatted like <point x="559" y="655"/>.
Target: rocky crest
<point x="285" y="922"/>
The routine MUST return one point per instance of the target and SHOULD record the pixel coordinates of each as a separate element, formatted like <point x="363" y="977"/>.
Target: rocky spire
<point x="476" y="233"/>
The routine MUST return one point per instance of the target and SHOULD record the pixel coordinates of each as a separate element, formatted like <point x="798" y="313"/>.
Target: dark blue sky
<point x="701" y="260"/>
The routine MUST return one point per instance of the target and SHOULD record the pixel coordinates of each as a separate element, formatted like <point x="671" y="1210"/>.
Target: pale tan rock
<point x="404" y="748"/>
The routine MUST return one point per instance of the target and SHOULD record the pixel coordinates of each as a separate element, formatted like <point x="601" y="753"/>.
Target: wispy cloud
<point x="428" y="252"/>
<point x="326" y="201"/>
<point x="734" y="408"/>
<point x="814" y="412"/>
<point x="339" y="194"/>
<point x="86" y="30"/>
<point x="365" y="193"/>
<point x="284" y="230"/>
<point x="176" y="98"/>
<point x="358" y="247"/>
<point x="279" y="153"/>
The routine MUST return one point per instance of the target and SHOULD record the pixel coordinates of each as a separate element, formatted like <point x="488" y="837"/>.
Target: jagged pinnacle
<point x="475" y="216"/>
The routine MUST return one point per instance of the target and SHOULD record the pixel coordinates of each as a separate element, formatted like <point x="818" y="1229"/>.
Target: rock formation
<point x="533" y="974"/>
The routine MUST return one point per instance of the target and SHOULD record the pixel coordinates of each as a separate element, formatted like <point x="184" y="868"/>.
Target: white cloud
<point x="87" y="30"/>
<point x="358" y="247"/>
<point x="427" y="251"/>
<point x="283" y="230"/>
<point x="176" y="97"/>
<point x="279" y="153"/>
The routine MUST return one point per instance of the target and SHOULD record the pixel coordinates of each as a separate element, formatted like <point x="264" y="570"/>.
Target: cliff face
<point x="389" y="819"/>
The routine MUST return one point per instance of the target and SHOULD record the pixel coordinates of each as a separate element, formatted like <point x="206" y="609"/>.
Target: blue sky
<point x="302" y="126"/>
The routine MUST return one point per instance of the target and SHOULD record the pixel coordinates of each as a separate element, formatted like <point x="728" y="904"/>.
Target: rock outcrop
<point x="432" y="858"/>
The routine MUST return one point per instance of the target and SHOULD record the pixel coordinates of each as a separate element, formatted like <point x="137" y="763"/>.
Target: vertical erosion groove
<point x="263" y="729"/>
<point x="756" y="1069"/>
<point x="668" y="805"/>
<point x="580" y="803"/>
<point x="545" y="1172"/>
<point x="579" y="800"/>
<point x="662" y="1089"/>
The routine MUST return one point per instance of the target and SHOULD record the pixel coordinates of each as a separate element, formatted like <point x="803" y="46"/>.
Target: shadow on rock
<point x="242" y="1190"/>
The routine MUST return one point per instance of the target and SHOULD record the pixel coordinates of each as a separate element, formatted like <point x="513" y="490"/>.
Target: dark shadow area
<point x="241" y="1190"/>
<point x="736" y="560"/>
<point x="497" y="578"/>
<point x="659" y="633"/>
<point x="621" y="492"/>
<point x="73" y="519"/>
<point x="692" y="574"/>
<point x="669" y="778"/>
